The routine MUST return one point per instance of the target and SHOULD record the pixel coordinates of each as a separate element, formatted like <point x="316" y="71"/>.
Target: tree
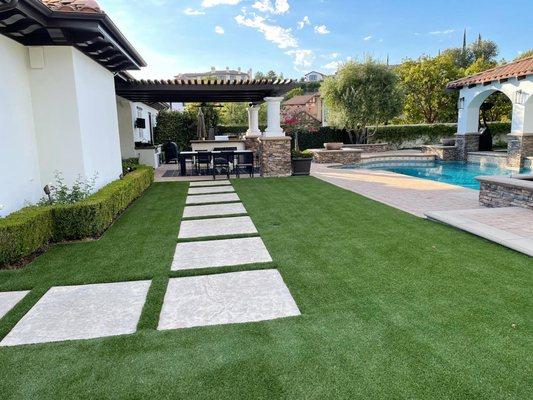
<point x="297" y="91"/>
<point x="234" y="114"/>
<point x="525" y="54"/>
<point x="272" y="75"/>
<point x="464" y="56"/>
<point x="210" y="110"/>
<point x="360" y="96"/>
<point x="424" y="82"/>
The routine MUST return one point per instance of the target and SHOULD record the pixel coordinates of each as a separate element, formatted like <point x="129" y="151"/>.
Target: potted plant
<point x="301" y="162"/>
<point x="333" y="145"/>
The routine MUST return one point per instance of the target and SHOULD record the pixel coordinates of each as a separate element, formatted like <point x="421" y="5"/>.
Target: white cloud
<point x="367" y="38"/>
<point x="192" y="11"/>
<point x="334" y="55"/>
<point x="332" y="66"/>
<point x="321" y="30"/>
<point x="305" y="21"/>
<point x="302" y="58"/>
<point x="274" y="6"/>
<point x="283" y="37"/>
<point x="219" y="30"/>
<point x="445" y="32"/>
<point x="213" y="3"/>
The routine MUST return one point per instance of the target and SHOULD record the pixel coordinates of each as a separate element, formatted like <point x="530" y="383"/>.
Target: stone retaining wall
<point x="465" y="144"/>
<point x="370" y="147"/>
<point x="445" y="153"/>
<point x="346" y="156"/>
<point x="506" y="192"/>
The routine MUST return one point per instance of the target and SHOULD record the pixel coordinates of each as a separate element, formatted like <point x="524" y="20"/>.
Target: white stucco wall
<point x="128" y="112"/>
<point x="95" y="92"/>
<point x="57" y="113"/>
<point x="75" y="117"/>
<point x="473" y="98"/>
<point x="19" y="174"/>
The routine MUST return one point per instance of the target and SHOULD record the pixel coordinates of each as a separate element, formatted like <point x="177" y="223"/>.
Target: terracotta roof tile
<point x="515" y="69"/>
<point x="299" y="100"/>
<point x="88" y="6"/>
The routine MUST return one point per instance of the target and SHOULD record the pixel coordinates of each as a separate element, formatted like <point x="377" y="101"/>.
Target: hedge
<point x="33" y="228"/>
<point x="393" y="134"/>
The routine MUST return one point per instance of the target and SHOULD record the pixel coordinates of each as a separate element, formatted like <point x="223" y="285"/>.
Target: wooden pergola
<point x="194" y="91"/>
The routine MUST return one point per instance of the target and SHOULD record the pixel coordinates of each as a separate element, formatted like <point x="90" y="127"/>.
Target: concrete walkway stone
<point x="81" y="312"/>
<point x="8" y="300"/>
<point x="509" y="226"/>
<point x="225" y="299"/>
<point x="216" y="227"/>
<point x="212" y="198"/>
<point x="210" y="183"/>
<point x="211" y="189"/>
<point x="219" y="253"/>
<point x="212" y="210"/>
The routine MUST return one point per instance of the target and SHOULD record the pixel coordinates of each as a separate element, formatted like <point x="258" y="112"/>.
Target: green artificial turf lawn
<point x="393" y="306"/>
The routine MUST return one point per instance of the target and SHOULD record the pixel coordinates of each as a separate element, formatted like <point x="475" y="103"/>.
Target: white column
<point x="253" y="121"/>
<point x="274" y="117"/>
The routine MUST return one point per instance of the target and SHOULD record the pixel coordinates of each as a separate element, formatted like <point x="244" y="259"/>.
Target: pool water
<point x="452" y="172"/>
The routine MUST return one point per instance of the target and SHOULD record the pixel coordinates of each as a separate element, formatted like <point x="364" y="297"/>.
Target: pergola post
<point x="274" y="117"/>
<point x="253" y="121"/>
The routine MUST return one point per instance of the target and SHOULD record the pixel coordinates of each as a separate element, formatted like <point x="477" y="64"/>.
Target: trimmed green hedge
<point x="393" y="134"/>
<point x="33" y="228"/>
<point x="24" y="232"/>
<point x="234" y="129"/>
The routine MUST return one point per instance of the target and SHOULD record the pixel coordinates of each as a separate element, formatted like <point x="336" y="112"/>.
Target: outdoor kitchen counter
<point x="210" y="145"/>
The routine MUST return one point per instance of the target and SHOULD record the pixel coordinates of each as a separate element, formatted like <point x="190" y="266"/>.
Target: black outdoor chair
<point x="224" y="160"/>
<point x="203" y="158"/>
<point x="225" y="149"/>
<point x="171" y="151"/>
<point x="245" y="161"/>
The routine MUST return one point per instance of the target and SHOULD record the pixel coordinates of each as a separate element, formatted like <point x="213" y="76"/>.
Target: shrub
<point x="90" y="217"/>
<point x="129" y="165"/>
<point x="33" y="228"/>
<point x="179" y="127"/>
<point x="396" y="135"/>
<point x="234" y="129"/>
<point x="25" y="232"/>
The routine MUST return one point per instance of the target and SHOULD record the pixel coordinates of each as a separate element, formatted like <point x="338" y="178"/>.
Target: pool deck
<point x="413" y="195"/>
<point x="453" y="205"/>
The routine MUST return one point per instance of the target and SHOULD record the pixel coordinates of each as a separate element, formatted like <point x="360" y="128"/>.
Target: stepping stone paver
<point x="81" y="312"/>
<point x="236" y="297"/>
<point x="211" y="189"/>
<point x="219" y="253"/>
<point x="216" y="227"/>
<point x="212" y="210"/>
<point x="212" y="198"/>
<point x="210" y="183"/>
<point x="8" y="300"/>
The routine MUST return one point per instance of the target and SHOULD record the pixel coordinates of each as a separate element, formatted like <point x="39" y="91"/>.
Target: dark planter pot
<point x="301" y="166"/>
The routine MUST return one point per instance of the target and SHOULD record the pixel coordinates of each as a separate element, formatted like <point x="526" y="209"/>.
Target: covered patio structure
<point x="515" y="80"/>
<point x="272" y="147"/>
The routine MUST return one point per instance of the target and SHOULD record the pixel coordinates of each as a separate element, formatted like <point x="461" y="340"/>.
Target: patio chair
<point x="224" y="160"/>
<point x="245" y="161"/>
<point x="203" y="158"/>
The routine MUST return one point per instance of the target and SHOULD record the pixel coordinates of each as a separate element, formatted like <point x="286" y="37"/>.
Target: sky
<point x="297" y="36"/>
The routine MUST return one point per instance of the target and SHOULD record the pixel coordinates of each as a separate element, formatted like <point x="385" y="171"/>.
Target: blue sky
<point x="296" y="36"/>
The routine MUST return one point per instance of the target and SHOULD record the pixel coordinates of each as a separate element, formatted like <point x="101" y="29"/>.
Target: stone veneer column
<point x="253" y="143"/>
<point x="465" y="143"/>
<point x="275" y="156"/>
<point x="519" y="146"/>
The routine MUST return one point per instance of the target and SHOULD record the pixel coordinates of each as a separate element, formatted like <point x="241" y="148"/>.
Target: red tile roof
<point x="88" y="6"/>
<point x="512" y="70"/>
<point x="300" y="100"/>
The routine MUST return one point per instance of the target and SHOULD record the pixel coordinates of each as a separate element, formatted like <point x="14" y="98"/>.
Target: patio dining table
<point x="191" y="155"/>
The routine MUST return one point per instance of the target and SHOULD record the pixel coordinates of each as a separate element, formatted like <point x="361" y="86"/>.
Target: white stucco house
<point x="314" y="76"/>
<point x="59" y="60"/>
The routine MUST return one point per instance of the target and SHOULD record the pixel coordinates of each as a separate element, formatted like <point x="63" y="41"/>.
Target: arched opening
<point x="497" y="107"/>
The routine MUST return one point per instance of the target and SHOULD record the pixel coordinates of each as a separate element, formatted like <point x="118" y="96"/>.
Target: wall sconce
<point x="461" y="103"/>
<point x="520" y="97"/>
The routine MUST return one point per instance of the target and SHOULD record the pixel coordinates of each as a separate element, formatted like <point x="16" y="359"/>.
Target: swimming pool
<point x="452" y="172"/>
